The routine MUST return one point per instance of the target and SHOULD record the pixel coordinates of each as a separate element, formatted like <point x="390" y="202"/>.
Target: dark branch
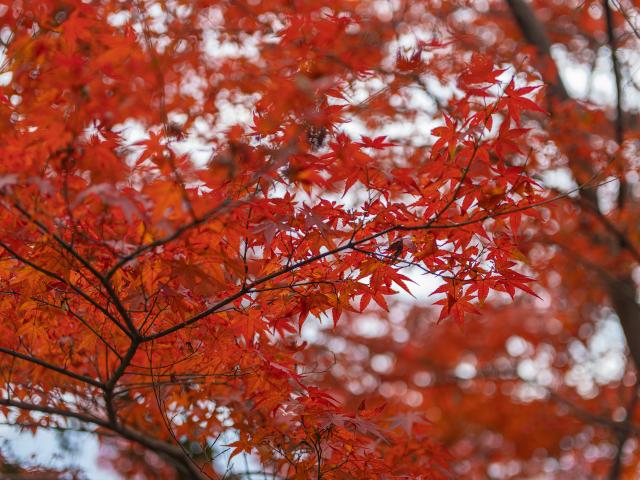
<point x="85" y="263"/>
<point x="57" y="277"/>
<point x="619" y="121"/>
<point x="49" y="366"/>
<point x="535" y="34"/>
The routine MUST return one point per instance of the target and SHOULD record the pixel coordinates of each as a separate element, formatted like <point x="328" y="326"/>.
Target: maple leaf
<point x="481" y="69"/>
<point x="153" y="147"/>
<point x="377" y="143"/>
<point x="240" y="446"/>
<point x="406" y="420"/>
<point x="516" y="102"/>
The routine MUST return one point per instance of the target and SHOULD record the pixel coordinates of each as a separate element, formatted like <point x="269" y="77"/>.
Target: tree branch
<point x="623" y="435"/>
<point x="57" y="277"/>
<point x="85" y="263"/>
<point x="49" y="366"/>
<point x="158" y="446"/>
<point x="622" y="291"/>
<point x="535" y="34"/>
<point x="619" y="121"/>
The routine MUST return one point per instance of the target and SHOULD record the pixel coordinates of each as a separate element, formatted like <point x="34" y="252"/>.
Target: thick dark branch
<point x="613" y="229"/>
<point x="535" y="34"/>
<point x="623" y="436"/>
<point x="126" y="360"/>
<point x="592" y="418"/>
<point x="619" y="122"/>
<point x="622" y="291"/>
<point x="49" y="366"/>
<point x="113" y="381"/>
<point x="623" y="294"/>
<point x="83" y="417"/>
<point x="171" y="451"/>
<point x="30" y="425"/>
<point x="577" y="411"/>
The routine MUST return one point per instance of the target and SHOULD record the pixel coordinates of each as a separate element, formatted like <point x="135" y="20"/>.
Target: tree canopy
<point x="338" y="239"/>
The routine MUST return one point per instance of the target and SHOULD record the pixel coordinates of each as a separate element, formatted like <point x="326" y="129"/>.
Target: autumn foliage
<point x="203" y="202"/>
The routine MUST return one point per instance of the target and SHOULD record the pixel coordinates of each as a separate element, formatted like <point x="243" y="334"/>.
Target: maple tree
<point x="187" y="185"/>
